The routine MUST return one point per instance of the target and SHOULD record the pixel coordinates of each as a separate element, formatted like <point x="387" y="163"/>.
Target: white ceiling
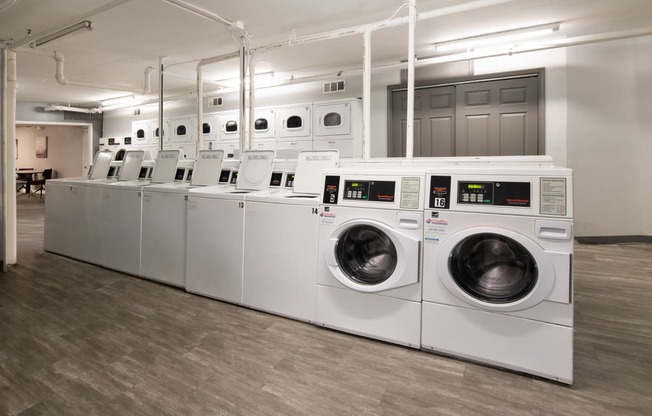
<point x="130" y="36"/>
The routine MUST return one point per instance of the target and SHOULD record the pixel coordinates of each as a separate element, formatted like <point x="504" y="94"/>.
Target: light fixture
<point x="118" y="100"/>
<point x="85" y="24"/>
<point x="503" y="38"/>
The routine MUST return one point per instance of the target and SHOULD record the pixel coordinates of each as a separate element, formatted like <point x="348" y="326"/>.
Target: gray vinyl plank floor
<point x="76" y="339"/>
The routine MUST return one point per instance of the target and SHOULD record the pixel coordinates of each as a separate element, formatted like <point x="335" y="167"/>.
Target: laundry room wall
<point x="609" y="145"/>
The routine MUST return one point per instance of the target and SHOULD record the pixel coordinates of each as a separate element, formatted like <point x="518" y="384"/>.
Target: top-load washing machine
<point x="163" y="249"/>
<point x="281" y="241"/>
<point x="338" y="125"/>
<point x="370" y="234"/>
<point x="72" y="213"/>
<point x="215" y="233"/>
<point x="497" y="270"/>
<point x="121" y="212"/>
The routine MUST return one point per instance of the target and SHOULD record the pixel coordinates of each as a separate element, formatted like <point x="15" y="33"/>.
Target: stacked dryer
<point x="497" y="270"/>
<point x="370" y="235"/>
<point x="281" y="229"/>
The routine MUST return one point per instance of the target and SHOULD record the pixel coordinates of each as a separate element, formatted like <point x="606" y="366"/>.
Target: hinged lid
<point x="207" y="168"/>
<point x="131" y="165"/>
<point x="310" y="164"/>
<point x="165" y="167"/>
<point x="255" y="170"/>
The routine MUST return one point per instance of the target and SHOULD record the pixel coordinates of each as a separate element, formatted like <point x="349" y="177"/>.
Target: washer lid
<point x="310" y="166"/>
<point x="166" y="166"/>
<point x="255" y="170"/>
<point x="207" y="167"/>
<point x="131" y="163"/>
<point x="101" y="165"/>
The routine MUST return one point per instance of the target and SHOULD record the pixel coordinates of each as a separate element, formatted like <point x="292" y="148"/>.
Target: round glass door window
<point x="366" y="255"/>
<point x="493" y="268"/>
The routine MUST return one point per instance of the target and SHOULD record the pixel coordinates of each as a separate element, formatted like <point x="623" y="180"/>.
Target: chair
<point x="23" y="179"/>
<point x="39" y="184"/>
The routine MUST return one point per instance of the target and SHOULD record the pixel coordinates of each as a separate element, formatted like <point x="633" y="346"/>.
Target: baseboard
<point x="615" y="239"/>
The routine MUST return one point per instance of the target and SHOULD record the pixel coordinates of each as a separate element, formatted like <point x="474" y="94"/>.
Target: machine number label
<point x="240" y="204"/>
<point x="315" y="211"/>
<point x="439" y="203"/>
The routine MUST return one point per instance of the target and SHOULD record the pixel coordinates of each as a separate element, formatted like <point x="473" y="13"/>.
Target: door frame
<point x="433" y="83"/>
<point x="87" y="143"/>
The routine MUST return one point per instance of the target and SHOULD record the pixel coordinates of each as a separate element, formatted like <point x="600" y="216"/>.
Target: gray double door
<point x="488" y="118"/>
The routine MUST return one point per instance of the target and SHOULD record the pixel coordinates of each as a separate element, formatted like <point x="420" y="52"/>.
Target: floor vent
<point x="334" y="86"/>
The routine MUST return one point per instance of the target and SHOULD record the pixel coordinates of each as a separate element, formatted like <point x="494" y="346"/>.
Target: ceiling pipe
<point x="200" y="91"/>
<point x="366" y="97"/>
<point x="409" y="125"/>
<point x="59" y="107"/>
<point x="7" y="4"/>
<point x="199" y="11"/>
<point x="392" y="22"/>
<point x="9" y="199"/>
<point x="63" y="80"/>
<point x="252" y="100"/>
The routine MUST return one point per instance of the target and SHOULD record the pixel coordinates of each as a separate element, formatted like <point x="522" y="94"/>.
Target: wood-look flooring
<point x="76" y="339"/>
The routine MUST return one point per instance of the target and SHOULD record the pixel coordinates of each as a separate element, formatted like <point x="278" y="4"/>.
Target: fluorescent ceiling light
<point x="118" y="100"/>
<point x="497" y="38"/>
<point x="85" y="24"/>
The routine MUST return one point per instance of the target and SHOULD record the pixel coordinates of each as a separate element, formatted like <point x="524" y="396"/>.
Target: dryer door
<point x="495" y="269"/>
<point x="369" y="256"/>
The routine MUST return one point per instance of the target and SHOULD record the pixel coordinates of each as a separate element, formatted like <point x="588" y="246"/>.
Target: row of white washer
<point x="470" y="258"/>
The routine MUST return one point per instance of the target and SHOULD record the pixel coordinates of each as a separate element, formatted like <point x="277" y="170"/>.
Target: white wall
<point x="65" y="149"/>
<point x="609" y="136"/>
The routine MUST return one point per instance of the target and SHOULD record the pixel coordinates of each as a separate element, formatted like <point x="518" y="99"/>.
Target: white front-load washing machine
<point x="215" y="230"/>
<point x="370" y="233"/>
<point x="281" y="241"/>
<point x="163" y="247"/>
<point x="497" y="269"/>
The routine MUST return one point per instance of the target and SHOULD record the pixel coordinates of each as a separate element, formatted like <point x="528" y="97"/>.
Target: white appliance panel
<point x="164" y="236"/>
<point x="214" y="265"/>
<point x="280" y="258"/>
<point x="121" y="229"/>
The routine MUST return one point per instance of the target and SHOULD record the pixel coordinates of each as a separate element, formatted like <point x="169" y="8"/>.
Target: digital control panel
<point x="234" y="177"/>
<point x="508" y="194"/>
<point x="358" y="190"/>
<point x="289" y="180"/>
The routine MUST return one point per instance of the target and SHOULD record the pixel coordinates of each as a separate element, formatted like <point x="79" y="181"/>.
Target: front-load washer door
<point x="369" y="256"/>
<point x="495" y="269"/>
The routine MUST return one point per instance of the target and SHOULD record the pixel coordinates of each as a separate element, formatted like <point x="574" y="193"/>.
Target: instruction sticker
<point x="553" y="196"/>
<point x="327" y="217"/>
<point x="435" y="228"/>
<point x="410" y="193"/>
